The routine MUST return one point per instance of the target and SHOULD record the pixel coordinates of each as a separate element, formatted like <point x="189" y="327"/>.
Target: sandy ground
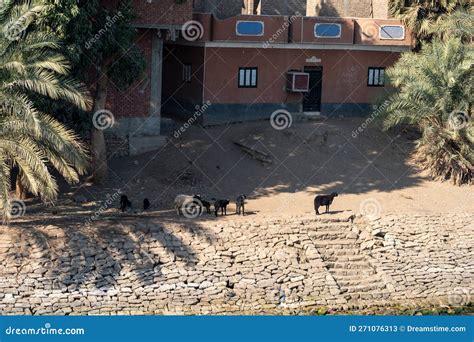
<point x="372" y="172"/>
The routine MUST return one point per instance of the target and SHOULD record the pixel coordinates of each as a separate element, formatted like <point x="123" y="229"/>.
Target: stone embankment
<point x="295" y="265"/>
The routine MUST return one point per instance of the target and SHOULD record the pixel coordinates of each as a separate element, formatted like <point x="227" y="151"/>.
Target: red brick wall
<point x="163" y="12"/>
<point x="134" y="101"/>
<point x="344" y="74"/>
<point x="173" y="85"/>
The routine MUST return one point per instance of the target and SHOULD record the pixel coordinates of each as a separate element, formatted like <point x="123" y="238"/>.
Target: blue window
<point x="327" y="30"/>
<point x="249" y="28"/>
<point x="392" y="32"/>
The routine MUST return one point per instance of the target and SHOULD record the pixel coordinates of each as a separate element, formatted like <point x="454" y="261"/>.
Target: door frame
<point x="309" y="68"/>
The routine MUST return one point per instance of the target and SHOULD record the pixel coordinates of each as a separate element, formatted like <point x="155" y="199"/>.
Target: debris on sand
<point x="256" y="154"/>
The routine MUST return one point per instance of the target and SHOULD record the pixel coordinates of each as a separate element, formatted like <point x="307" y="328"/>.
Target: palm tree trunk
<point x="98" y="148"/>
<point x="20" y="191"/>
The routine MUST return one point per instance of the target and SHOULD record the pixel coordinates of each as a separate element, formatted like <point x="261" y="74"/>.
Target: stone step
<point x="361" y="289"/>
<point x="332" y="243"/>
<point x="351" y="273"/>
<point x="367" y="296"/>
<point x="352" y="281"/>
<point x="330" y="226"/>
<point x="345" y="258"/>
<point x="354" y="265"/>
<point x="168" y="126"/>
<point x="328" y="236"/>
<point x="329" y="254"/>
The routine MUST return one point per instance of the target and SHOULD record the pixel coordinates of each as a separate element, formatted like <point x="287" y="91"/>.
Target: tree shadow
<point x="75" y="255"/>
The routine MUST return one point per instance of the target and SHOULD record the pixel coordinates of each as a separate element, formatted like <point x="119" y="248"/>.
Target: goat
<point x="222" y="205"/>
<point x="124" y="203"/>
<point x="146" y="204"/>
<point x="182" y="201"/>
<point x="240" y="204"/>
<point x="206" y="205"/>
<point x="323" y="200"/>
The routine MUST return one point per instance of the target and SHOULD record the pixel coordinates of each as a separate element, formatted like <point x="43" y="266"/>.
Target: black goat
<point x="206" y="205"/>
<point x="323" y="200"/>
<point x="124" y="203"/>
<point x="222" y="205"/>
<point x="146" y="204"/>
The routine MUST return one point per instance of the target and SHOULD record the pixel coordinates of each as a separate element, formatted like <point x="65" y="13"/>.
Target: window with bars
<point x="376" y="77"/>
<point x="248" y="77"/>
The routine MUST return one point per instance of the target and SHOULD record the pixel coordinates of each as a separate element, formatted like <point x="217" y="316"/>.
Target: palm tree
<point x="457" y="24"/>
<point x="31" y="141"/>
<point x="434" y="94"/>
<point x="421" y="16"/>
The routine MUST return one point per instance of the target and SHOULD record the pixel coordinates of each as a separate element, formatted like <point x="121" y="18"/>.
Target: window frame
<point x="249" y="21"/>
<point x="326" y="37"/>
<point x="245" y="69"/>
<point x="382" y="27"/>
<point x="378" y="69"/>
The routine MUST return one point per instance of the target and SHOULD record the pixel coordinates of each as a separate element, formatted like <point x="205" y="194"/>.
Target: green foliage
<point x="458" y="24"/>
<point x="421" y="16"/>
<point x="434" y="94"/>
<point x="30" y="63"/>
<point x="94" y="35"/>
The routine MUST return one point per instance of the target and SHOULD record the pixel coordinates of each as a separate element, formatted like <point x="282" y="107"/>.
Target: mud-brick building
<point x="245" y="59"/>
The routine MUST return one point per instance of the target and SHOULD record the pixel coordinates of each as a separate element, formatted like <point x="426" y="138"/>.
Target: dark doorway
<point x="312" y="99"/>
